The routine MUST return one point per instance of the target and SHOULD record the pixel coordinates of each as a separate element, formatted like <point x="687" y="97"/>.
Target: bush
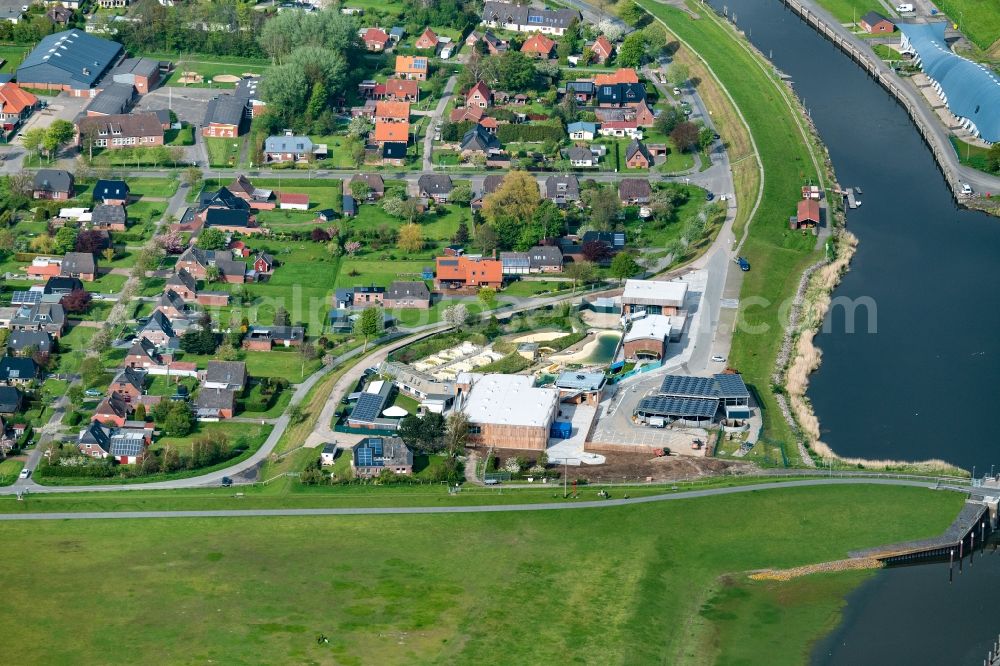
<point x="525" y="132"/>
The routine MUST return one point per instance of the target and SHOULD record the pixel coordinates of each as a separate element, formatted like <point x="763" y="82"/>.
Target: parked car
<point x="677" y="91"/>
<point x="226" y="482"/>
<point x="905" y="7"/>
<point x="718" y="359"/>
<point x="92" y="393"/>
<point x="709" y="196"/>
<point x="743" y="263"/>
<point x="966" y="189"/>
<point x="25" y="473"/>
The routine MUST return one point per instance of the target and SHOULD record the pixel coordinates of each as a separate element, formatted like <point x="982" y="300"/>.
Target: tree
<point x="352" y="247"/>
<point x="662" y="204"/>
<point x="199" y="341"/>
<point x="624" y="266"/>
<point x="632" y="50"/>
<point x="456" y="435"/>
<point x="549" y="220"/>
<point x="604" y="206"/>
<point x="192" y="177"/>
<point x="179" y="420"/>
<point x="140" y="413"/>
<point x="42" y="243"/>
<point x="511" y="205"/>
<point x="211" y="239"/>
<point x="461" y="194"/>
<point x="213" y="274"/>
<point x="423" y="433"/>
<point x="486" y="238"/>
<point x="678" y="74"/>
<point x="461" y="236"/>
<point x="170" y="242"/>
<point x="454" y="315"/>
<point x="514" y="71"/>
<point x="581" y="272"/>
<point x="668" y="119"/>
<point x="227" y="352"/>
<point x="319" y="235"/>
<point x="610" y="29"/>
<point x="76" y="301"/>
<point x="65" y="240"/>
<point x="91" y="371"/>
<point x="359" y="188"/>
<point x="58" y="133"/>
<point x="359" y="127"/>
<point x="33" y="139"/>
<point x="411" y="238"/>
<point x="706" y="137"/>
<point x="89" y="241"/>
<point x="488" y="297"/>
<point x="685" y="136"/>
<point x="596" y="251"/>
<point x="281" y="316"/>
<point x="109" y="254"/>
<point x="368" y="324"/>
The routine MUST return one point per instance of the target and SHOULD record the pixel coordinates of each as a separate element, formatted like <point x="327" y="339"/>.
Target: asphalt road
<point x="551" y="506"/>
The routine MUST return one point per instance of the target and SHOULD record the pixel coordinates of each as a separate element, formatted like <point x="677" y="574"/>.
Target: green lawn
<point x="223" y="152"/>
<point x="106" y="284"/>
<point x="210" y="66"/>
<point x="777" y="255"/>
<point x="179" y="137"/>
<point x="12" y="57"/>
<point x="279" y="362"/>
<point x="976" y="157"/>
<point x="361" y="271"/>
<point x="9" y="469"/>
<point x="254" y="433"/>
<point x="152" y="187"/>
<point x="847" y="11"/>
<point x="562" y="586"/>
<point x="438" y="228"/>
<point x="978" y="19"/>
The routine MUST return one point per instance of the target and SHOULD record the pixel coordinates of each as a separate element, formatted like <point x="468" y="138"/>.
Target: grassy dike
<point x="608" y="585"/>
<point x="788" y="157"/>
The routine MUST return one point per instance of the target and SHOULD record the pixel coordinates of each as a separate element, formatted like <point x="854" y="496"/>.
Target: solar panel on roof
<point x="659" y="405"/>
<point x="26" y="298"/>
<point x="681" y="385"/>
<point x="368" y="407"/>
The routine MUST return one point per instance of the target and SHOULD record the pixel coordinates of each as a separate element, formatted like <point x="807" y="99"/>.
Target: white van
<point x="905" y="7"/>
<point x="966" y="189"/>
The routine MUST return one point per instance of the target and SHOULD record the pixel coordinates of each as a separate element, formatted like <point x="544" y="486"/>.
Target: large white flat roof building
<point x="509" y="400"/>
<point x="655" y="327"/>
<point x="653" y="292"/>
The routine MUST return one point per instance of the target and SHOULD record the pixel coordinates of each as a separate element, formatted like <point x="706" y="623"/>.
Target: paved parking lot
<point x="62" y="107"/>
<point x="188" y="103"/>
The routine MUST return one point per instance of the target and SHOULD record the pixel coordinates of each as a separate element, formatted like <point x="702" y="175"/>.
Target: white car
<point x="677" y="91"/>
<point x="905" y="7"/>
<point x="25" y="473"/>
<point x="718" y="359"/>
<point x="966" y="189"/>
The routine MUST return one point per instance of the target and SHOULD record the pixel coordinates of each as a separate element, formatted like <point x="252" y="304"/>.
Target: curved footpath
<point x="497" y="508"/>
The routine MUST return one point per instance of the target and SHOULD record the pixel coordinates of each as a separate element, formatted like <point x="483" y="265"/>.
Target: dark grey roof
<point x="247" y="88"/>
<point x="78" y="262"/>
<point x="382" y="452"/>
<point x="565" y="186"/>
<point x="18" y="367"/>
<point x="545" y="255"/>
<point x="143" y="347"/>
<point x="225" y="110"/>
<point x="214" y="399"/>
<point x="70" y="57"/>
<point x="162" y="115"/>
<point x="373" y="180"/>
<point x="621" y="93"/>
<point x="60" y="284"/>
<point x="134" y="377"/>
<point x="10" y="399"/>
<point x="580" y="87"/>
<point x="394" y="150"/>
<point x="97" y="434"/>
<point x="159" y="322"/>
<point x="226" y="199"/>
<point x="477" y="138"/>
<point x="659" y="405"/>
<point x="586" y="381"/>
<point x="435" y="184"/>
<point x="107" y="214"/>
<point x="637" y="146"/>
<point x="348" y="205"/>
<point x="169" y="298"/>
<point x="54" y="180"/>
<point x="20" y="340"/>
<point x="406" y="289"/>
<point x="491" y="183"/>
<point x="111" y="189"/>
<point x="871" y="18"/>
<point x="233" y="373"/>
<point x="222" y="217"/>
<point x="579" y="153"/>
<point x="113" y="99"/>
<point x="613" y="239"/>
<point x="182" y="278"/>
<point x="504" y="12"/>
<point x="277" y="333"/>
<point x="634" y="188"/>
<point x="39" y="315"/>
<point x="129" y="68"/>
<point x="689" y="387"/>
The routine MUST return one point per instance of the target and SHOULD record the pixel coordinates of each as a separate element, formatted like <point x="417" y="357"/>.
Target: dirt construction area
<point x="638" y="467"/>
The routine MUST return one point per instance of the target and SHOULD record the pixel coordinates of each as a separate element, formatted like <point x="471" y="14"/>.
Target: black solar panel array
<point x="659" y="405"/>
<point x="368" y="407"/>
<point x="691" y="387"/>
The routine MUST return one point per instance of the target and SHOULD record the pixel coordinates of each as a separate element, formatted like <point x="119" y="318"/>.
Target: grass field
<point x="210" y="66"/>
<point x="12" y="57"/>
<point x="254" y="433"/>
<point x="223" y="152"/>
<point x="847" y="11"/>
<point x="161" y="188"/>
<point x="559" y="586"/>
<point x="978" y="19"/>
<point x="361" y="271"/>
<point x="976" y="157"/>
<point x="777" y="255"/>
<point x="9" y="469"/>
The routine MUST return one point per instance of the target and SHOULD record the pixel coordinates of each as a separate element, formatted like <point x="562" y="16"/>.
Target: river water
<point x="915" y="377"/>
